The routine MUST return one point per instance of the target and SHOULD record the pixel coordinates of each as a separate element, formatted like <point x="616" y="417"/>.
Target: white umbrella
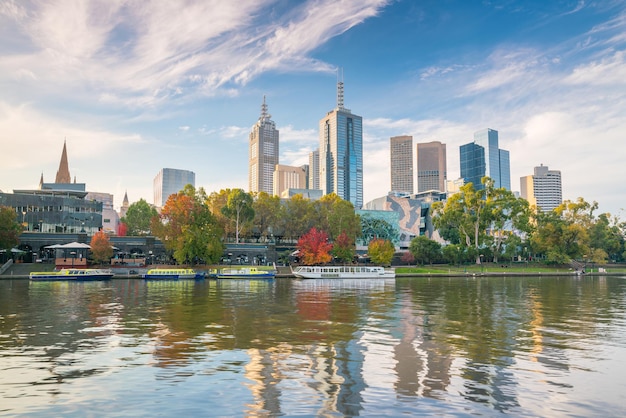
<point x="53" y="246"/>
<point x="75" y="245"/>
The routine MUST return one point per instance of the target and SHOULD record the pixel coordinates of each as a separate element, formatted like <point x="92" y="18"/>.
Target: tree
<point x="425" y="250"/>
<point x="188" y="229"/>
<point x="267" y="211"/>
<point x="314" y="248"/>
<point x="298" y="217"/>
<point x="381" y="251"/>
<point x="343" y="248"/>
<point x="453" y="254"/>
<point x="138" y="218"/>
<point x="336" y="216"/>
<point x="239" y="209"/>
<point x="101" y="248"/>
<point x="10" y="229"/>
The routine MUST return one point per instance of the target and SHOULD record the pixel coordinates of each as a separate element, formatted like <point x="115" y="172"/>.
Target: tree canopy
<point x="314" y="248"/>
<point x="10" y="229"/>
<point x="101" y="248"/>
<point x="138" y="218"/>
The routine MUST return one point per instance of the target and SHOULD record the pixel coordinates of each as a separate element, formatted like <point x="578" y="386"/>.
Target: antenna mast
<point x="340" y="88"/>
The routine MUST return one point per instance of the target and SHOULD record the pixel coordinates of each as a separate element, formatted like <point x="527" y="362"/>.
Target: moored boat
<point x="72" y="274"/>
<point x="172" y="274"/>
<point x="245" y="273"/>
<point x="343" y="272"/>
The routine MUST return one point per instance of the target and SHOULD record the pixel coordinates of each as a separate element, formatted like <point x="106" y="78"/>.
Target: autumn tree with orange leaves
<point x="101" y="249"/>
<point x="314" y="248"/>
<point x="188" y="229"/>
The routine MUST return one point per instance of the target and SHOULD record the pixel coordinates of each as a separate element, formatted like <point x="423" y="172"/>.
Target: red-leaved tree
<point x="314" y="247"/>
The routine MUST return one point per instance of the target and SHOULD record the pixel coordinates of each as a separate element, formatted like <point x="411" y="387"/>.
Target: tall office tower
<point x="542" y="189"/>
<point x="341" y="153"/>
<point x="483" y="158"/>
<point x="431" y="166"/>
<point x="401" y="153"/>
<point x="263" y="153"/>
<point x="288" y="177"/>
<point x="170" y="181"/>
<point x="314" y="170"/>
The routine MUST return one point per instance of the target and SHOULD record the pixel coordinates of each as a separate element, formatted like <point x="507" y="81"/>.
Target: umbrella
<point x="74" y="245"/>
<point x="53" y="246"/>
<point x="17" y="250"/>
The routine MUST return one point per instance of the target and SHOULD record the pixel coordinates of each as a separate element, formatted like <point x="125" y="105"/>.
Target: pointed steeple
<point x="63" y="175"/>
<point x="41" y="182"/>
<point x="125" y="201"/>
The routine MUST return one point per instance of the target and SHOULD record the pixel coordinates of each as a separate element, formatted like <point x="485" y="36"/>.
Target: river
<point x="488" y="346"/>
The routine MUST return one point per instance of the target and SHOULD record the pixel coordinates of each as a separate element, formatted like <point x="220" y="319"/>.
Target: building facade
<point x="341" y="153"/>
<point x="401" y="164"/>
<point x="314" y="170"/>
<point x="263" y="153"/>
<point x="289" y="177"/>
<point x="483" y="157"/>
<point x="542" y="189"/>
<point x="431" y="166"/>
<point x="170" y="181"/>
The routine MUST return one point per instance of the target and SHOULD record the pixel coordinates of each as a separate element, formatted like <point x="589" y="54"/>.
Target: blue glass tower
<point x="483" y="158"/>
<point x="341" y="153"/>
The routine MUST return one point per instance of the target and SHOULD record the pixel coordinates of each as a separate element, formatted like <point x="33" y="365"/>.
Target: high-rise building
<point x="483" y="158"/>
<point x="401" y="154"/>
<point x="341" y="153"/>
<point x="170" y="181"/>
<point x="289" y="177"/>
<point x="263" y="153"/>
<point x="431" y="166"/>
<point x="314" y="170"/>
<point x="543" y="189"/>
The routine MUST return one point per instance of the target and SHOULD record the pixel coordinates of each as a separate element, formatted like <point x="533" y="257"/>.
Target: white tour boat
<point x="343" y="272"/>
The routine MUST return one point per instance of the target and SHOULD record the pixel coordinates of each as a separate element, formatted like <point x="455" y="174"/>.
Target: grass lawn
<point x="531" y="268"/>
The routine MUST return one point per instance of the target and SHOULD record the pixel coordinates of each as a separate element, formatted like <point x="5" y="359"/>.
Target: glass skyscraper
<point x="483" y="158"/>
<point x="341" y="153"/>
<point x="170" y="181"/>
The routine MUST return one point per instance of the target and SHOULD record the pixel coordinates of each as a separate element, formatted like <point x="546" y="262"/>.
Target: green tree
<point x="267" y="212"/>
<point x="239" y="210"/>
<point x="425" y="250"/>
<point x="298" y="217"/>
<point x="188" y="229"/>
<point x="343" y="248"/>
<point x="10" y="229"/>
<point x="381" y="251"/>
<point x="453" y="254"/>
<point x="138" y="218"/>
<point x="101" y="248"/>
<point x="336" y="216"/>
<point x="314" y="248"/>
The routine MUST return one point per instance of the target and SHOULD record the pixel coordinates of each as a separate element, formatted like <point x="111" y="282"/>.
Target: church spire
<point x="63" y="175"/>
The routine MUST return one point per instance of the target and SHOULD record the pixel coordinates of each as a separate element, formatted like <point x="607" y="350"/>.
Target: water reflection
<point x="527" y="346"/>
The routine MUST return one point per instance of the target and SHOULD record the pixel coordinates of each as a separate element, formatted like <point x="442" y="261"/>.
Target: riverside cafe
<point x="73" y="254"/>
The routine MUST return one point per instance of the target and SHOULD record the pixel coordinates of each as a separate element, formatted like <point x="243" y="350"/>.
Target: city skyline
<point x="134" y="87"/>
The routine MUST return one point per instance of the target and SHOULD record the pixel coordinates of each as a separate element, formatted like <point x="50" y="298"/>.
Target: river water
<point x="412" y="346"/>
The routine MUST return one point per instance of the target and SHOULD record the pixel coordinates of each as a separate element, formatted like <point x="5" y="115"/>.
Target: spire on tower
<point x="63" y="174"/>
<point x="340" y="88"/>
<point x="264" y="114"/>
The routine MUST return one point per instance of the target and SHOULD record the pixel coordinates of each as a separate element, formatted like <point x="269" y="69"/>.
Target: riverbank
<point x="22" y="271"/>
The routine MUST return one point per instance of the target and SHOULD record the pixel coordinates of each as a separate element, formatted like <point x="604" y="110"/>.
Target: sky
<point x="133" y="86"/>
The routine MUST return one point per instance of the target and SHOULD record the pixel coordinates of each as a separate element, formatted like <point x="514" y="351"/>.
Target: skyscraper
<point x="401" y="153"/>
<point x="431" y="166"/>
<point x="314" y="170"/>
<point x="263" y="153"/>
<point x="341" y="153"/>
<point x="170" y="181"/>
<point x="542" y="189"/>
<point x="483" y="158"/>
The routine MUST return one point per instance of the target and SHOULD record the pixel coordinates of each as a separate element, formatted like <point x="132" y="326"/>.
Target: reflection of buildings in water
<point x="265" y="372"/>
<point x="422" y="362"/>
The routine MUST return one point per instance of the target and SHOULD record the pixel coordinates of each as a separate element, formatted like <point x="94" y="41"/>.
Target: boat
<point x="172" y="274"/>
<point x="343" y="272"/>
<point x="72" y="274"/>
<point x="245" y="273"/>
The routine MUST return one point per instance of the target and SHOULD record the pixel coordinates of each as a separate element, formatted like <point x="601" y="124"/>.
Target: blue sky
<point x="135" y="86"/>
